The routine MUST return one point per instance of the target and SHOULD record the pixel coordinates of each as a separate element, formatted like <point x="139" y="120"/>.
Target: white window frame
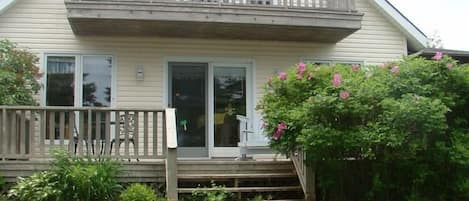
<point x="78" y="78"/>
<point x="78" y="81"/>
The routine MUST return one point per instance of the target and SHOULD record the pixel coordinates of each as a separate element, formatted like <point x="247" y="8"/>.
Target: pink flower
<point x="282" y="76"/>
<point x="301" y="68"/>
<point x="395" y="70"/>
<point x="355" y="67"/>
<point x="270" y="80"/>
<point x="280" y="128"/>
<point x="450" y="66"/>
<point x="299" y="76"/>
<point x="344" y="95"/>
<point x="438" y="56"/>
<point x="337" y="80"/>
<point x="310" y="76"/>
<point x="277" y="135"/>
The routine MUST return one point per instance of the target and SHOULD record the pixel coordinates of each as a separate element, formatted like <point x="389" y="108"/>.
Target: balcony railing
<point x="32" y="132"/>
<point x="331" y="5"/>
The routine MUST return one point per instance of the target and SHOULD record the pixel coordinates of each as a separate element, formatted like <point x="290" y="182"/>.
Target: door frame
<point x="193" y="152"/>
<point x="212" y="62"/>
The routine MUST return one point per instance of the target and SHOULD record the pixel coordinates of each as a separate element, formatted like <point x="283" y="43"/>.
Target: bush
<point x="18" y="74"/>
<point x="86" y="179"/>
<point x="70" y="178"/>
<point x="41" y="186"/>
<point x="406" y="122"/>
<point x="140" y="192"/>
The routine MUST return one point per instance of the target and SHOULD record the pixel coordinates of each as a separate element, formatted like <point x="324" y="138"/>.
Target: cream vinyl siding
<point x="42" y="26"/>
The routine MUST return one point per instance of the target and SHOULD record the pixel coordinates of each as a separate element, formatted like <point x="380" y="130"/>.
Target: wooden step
<point x="244" y="189"/>
<point x="236" y="176"/>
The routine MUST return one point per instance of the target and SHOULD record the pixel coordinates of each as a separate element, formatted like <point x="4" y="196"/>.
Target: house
<point x="459" y="55"/>
<point x="112" y="66"/>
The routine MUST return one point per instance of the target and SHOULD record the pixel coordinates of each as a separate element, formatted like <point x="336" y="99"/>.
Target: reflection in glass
<point x="230" y="100"/>
<point x="59" y="89"/>
<point x="188" y="96"/>
<point x="97" y="77"/>
<point x="60" y="81"/>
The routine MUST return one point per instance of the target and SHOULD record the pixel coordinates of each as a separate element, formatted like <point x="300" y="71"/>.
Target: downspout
<point x="5" y="5"/>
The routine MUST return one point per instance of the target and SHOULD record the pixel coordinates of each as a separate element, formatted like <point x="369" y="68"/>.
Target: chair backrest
<point x="130" y="126"/>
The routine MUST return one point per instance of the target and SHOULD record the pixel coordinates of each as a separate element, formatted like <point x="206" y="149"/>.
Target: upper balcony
<point x="281" y="20"/>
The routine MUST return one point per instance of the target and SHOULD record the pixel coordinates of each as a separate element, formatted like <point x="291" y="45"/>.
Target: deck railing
<point x="305" y="174"/>
<point x="32" y="132"/>
<point x="333" y="5"/>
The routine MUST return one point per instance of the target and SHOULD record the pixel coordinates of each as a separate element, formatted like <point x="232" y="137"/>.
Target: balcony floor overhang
<point x="195" y="20"/>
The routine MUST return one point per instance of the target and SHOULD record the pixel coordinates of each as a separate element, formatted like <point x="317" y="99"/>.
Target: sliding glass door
<point x="207" y="98"/>
<point x="188" y="94"/>
<point x="229" y="85"/>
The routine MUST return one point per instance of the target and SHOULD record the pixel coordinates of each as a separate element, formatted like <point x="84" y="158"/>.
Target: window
<point x="97" y="78"/>
<point x="60" y="81"/>
<point x="71" y="83"/>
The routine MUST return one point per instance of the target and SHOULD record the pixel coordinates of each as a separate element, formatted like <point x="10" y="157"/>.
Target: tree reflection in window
<point x="97" y="75"/>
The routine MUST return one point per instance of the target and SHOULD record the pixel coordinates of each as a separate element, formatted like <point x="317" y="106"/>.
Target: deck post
<point x="171" y="157"/>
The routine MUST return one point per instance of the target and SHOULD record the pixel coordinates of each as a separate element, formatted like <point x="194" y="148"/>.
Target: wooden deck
<point x="145" y="172"/>
<point x="279" y="20"/>
<point x="243" y="178"/>
<point x="145" y="142"/>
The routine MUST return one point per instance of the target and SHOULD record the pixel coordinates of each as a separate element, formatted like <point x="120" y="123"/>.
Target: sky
<point x="449" y="18"/>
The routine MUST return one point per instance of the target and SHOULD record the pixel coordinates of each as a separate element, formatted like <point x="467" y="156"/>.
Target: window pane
<point x="60" y="81"/>
<point x="189" y="96"/>
<point x="230" y="100"/>
<point x="97" y="76"/>
<point x="59" y="91"/>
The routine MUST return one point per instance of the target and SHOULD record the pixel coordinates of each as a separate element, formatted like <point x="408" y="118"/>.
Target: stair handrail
<point x="305" y="173"/>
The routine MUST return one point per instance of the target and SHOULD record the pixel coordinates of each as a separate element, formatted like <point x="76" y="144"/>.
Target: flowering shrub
<point x="413" y="114"/>
<point x="18" y="75"/>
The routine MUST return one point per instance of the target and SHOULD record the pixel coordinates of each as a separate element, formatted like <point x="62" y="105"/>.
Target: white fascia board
<point x="415" y="37"/>
<point x="5" y="5"/>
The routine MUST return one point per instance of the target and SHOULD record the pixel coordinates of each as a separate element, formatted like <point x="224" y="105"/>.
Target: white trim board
<point x="415" y="37"/>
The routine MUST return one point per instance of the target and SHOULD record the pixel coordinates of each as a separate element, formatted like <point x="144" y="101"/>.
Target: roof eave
<point x="416" y="38"/>
<point x="5" y="5"/>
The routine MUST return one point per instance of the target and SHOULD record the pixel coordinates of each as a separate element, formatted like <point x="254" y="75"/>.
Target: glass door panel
<point x="60" y="87"/>
<point x="188" y="94"/>
<point x="96" y="90"/>
<point x="229" y="101"/>
<point x="97" y="76"/>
